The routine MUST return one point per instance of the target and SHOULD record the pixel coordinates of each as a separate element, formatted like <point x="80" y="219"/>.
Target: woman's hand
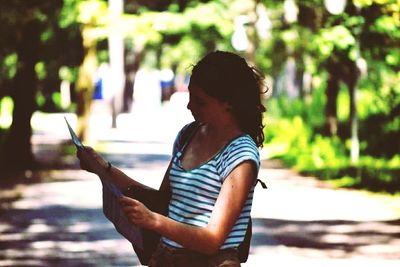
<point x="90" y="160"/>
<point x="136" y="212"/>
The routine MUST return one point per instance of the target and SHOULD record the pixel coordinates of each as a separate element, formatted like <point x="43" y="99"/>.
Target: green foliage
<point x="40" y="69"/>
<point x="6" y="109"/>
<point x="297" y="145"/>
<point x="56" y="97"/>
<point x="40" y="100"/>
<point x="68" y="14"/>
<point x="365" y="32"/>
<point x="9" y="66"/>
<point x="180" y="38"/>
<point x="312" y="111"/>
<point x="293" y="135"/>
<point x="286" y="137"/>
<point x="293" y="141"/>
<point x="61" y="43"/>
<point x="373" y="174"/>
<point x="67" y="74"/>
<point x="387" y="25"/>
<point x="330" y="38"/>
<point x="343" y="103"/>
<point x="186" y="52"/>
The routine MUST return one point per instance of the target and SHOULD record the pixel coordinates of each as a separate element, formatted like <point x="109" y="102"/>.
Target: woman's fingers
<point x="127" y="202"/>
<point x="89" y="159"/>
<point x="135" y="211"/>
<point x="83" y="158"/>
<point x="89" y="148"/>
<point x="81" y="153"/>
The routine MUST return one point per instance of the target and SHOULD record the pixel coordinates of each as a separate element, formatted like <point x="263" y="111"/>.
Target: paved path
<point x="298" y="221"/>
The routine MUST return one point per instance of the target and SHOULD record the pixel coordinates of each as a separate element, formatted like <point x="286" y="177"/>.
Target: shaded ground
<point x="54" y="218"/>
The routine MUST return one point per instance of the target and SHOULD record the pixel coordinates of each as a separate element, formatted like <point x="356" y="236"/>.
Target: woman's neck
<point x="222" y="131"/>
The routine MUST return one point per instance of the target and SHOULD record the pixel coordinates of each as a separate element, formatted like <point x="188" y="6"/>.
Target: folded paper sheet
<point x="112" y="210"/>
<point x="111" y="206"/>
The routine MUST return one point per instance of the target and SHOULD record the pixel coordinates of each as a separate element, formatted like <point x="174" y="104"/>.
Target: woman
<point x="212" y="173"/>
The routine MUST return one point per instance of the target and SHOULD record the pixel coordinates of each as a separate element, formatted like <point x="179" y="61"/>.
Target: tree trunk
<point x="300" y="79"/>
<point x="17" y="151"/>
<point x="352" y="81"/>
<point x="116" y="57"/>
<point x="85" y="88"/>
<point x="332" y="91"/>
<point x="132" y="64"/>
<point x="85" y="85"/>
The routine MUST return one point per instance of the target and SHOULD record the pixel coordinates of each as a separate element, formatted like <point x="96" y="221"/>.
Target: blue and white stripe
<point x="195" y="191"/>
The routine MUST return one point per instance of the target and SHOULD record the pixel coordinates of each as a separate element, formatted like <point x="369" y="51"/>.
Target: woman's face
<point x="205" y="108"/>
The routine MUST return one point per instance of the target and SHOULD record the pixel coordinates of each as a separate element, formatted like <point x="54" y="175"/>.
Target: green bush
<point x="285" y="138"/>
<point x="295" y="134"/>
<point x="292" y="141"/>
<point x="378" y="175"/>
<point x="298" y="146"/>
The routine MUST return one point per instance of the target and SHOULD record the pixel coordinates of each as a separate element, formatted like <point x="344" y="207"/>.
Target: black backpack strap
<point x="244" y="247"/>
<point x="187" y="134"/>
<point x="263" y="185"/>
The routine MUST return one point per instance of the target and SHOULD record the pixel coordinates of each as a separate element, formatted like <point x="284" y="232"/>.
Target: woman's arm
<point x="209" y="239"/>
<point x="91" y="161"/>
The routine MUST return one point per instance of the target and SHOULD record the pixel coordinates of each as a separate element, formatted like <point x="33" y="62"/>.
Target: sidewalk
<point x="298" y="221"/>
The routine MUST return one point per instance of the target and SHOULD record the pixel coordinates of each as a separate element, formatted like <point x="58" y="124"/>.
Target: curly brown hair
<point x="229" y="78"/>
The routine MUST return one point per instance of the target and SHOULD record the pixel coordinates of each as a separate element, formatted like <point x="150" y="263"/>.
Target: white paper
<point x="112" y="210"/>
<point x="111" y="206"/>
<point x="74" y="137"/>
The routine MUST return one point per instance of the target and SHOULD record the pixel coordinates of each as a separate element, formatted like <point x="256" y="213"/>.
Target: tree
<point x="54" y="31"/>
<point x="90" y="15"/>
<point x="339" y="47"/>
<point x="28" y="30"/>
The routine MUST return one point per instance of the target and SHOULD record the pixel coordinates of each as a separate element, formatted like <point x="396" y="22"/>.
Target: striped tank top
<point x="194" y="192"/>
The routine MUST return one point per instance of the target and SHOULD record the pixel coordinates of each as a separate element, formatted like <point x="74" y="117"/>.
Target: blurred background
<point x="118" y="70"/>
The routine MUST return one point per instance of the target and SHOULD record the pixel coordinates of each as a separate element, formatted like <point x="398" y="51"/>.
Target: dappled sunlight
<point x="300" y="220"/>
<point x="327" y="239"/>
<point x="61" y="193"/>
<point x="80" y="227"/>
<point x="47" y="236"/>
<point x="284" y="257"/>
<point x="60" y="219"/>
<point x="76" y="253"/>
<point x="39" y="228"/>
<point x="309" y="199"/>
<point x="13" y="236"/>
<point x="377" y="250"/>
<point x="43" y="244"/>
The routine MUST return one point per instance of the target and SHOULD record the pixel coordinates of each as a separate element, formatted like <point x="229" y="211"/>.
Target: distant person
<point x="167" y="78"/>
<point x="212" y="173"/>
